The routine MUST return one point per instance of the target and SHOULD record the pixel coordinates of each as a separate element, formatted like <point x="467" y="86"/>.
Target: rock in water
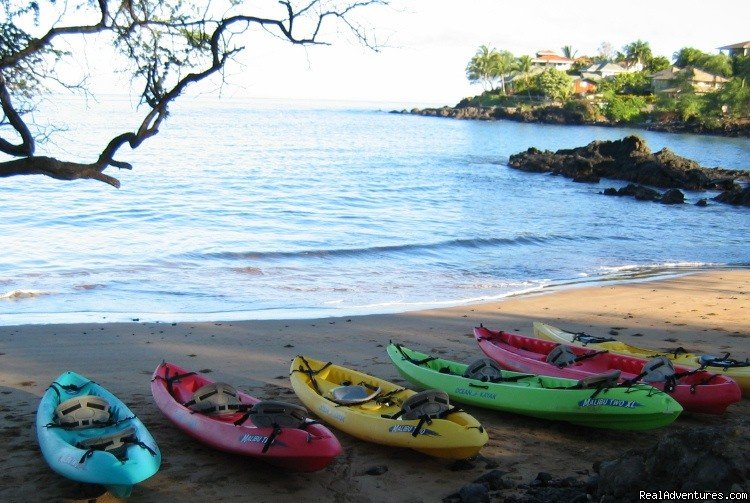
<point x="628" y="159"/>
<point x="736" y="197"/>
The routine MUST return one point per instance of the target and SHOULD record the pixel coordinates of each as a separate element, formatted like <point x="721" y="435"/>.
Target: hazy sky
<point x="429" y="42"/>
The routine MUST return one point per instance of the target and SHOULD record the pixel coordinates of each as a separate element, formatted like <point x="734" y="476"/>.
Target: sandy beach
<point x="706" y="312"/>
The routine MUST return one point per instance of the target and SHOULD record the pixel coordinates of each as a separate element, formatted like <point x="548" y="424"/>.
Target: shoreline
<point x="557" y="115"/>
<point x="623" y="275"/>
<point x="703" y="312"/>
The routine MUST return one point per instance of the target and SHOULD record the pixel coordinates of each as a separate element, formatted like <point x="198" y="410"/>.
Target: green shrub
<point x="624" y="107"/>
<point x="586" y="108"/>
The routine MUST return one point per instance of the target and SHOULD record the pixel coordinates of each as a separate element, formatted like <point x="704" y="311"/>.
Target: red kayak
<point x="696" y="390"/>
<point x="231" y="421"/>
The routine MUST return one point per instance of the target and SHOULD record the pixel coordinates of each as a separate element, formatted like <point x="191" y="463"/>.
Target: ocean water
<point x="252" y="209"/>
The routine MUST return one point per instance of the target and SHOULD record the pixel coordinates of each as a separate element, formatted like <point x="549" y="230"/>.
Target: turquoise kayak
<point x="88" y="435"/>
<point x="595" y="402"/>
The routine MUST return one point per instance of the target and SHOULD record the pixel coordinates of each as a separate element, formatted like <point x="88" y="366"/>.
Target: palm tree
<point x="503" y="64"/>
<point x="480" y="67"/>
<point x="488" y="66"/>
<point x="638" y="52"/>
<point x="523" y="65"/>
<point x="568" y="52"/>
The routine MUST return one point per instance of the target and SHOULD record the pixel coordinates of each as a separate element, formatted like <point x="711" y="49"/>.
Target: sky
<point x="427" y="44"/>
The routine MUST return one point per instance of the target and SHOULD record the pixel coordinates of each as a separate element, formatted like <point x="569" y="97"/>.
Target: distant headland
<point x="696" y="92"/>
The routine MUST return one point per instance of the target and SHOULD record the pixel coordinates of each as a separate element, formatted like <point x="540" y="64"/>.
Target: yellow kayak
<point x="737" y="370"/>
<point x="378" y="411"/>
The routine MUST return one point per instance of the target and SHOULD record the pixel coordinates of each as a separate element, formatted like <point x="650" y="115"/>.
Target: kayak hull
<point x="457" y="436"/>
<point x="296" y="449"/>
<point x="638" y="408"/>
<point x="741" y="375"/>
<point x="58" y="445"/>
<point x="701" y="392"/>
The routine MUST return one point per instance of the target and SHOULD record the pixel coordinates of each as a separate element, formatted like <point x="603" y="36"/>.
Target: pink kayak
<point x="231" y="421"/>
<point x="696" y="390"/>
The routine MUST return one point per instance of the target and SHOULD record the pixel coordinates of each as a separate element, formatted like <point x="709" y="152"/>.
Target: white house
<point x="549" y="59"/>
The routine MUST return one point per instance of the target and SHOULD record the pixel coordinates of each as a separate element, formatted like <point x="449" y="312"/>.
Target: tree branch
<point x="160" y="47"/>
<point x="26" y="147"/>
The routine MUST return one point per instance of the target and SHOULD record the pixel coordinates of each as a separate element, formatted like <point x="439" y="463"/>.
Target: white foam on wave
<point x="23" y="294"/>
<point x="659" y="266"/>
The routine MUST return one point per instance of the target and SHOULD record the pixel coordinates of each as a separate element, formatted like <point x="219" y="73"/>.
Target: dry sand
<point x="707" y="312"/>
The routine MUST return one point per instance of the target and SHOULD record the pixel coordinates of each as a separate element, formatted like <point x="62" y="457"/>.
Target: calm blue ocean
<point x="271" y="209"/>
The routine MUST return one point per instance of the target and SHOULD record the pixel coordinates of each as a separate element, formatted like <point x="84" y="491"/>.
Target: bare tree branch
<point x="162" y="48"/>
<point x="26" y="147"/>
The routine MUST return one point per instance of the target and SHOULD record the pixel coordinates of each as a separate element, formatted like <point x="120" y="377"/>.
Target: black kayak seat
<point x="272" y="413"/>
<point x="431" y="403"/>
<point x="600" y="380"/>
<point x="485" y="370"/>
<point x="561" y="355"/>
<point x="721" y="361"/>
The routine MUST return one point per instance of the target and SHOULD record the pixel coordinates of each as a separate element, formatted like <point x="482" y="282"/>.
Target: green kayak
<point x="596" y="401"/>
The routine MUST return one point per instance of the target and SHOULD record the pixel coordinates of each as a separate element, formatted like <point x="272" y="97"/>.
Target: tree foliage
<point x="638" y="52"/>
<point x="489" y="66"/>
<point x="169" y="45"/>
<point x="741" y="68"/>
<point x="716" y="64"/>
<point x="735" y="96"/>
<point x="638" y="83"/>
<point x="556" y="85"/>
<point x="624" y="108"/>
<point x="658" y="63"/>
<point x="569" y="52"/>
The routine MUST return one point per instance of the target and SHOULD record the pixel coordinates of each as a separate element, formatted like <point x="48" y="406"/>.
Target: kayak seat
<point x="600" y="380"/>
<point x="82" y="412"/>
<point x="432" y="403"/>
<point x="721" y="361"/>
<point x="561" y="355"/>
<point x="657" y="369"/>
<point x="114" y="443"/>
<point x="274" y="414"/>
<point x="215" y="399"/>
<point x="485" y="370"/>
<point x="353" y="394"/>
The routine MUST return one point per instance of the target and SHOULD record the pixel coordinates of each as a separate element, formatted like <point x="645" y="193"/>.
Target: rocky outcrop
<point x="697" y="459"/>
<point x="737" y="196"/>
<point x="555" y="114"/>
<point x="641" y="193"/>
<point x="703" y="459"/>
<point x="631" y="160"/>
<point x="550" y="114"/>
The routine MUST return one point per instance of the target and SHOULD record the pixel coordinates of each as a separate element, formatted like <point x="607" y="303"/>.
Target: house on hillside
<point x="549" y="59"/>
<point x="599" y="71"/>
<point x="738" y="49"/>
<point x="668" y="81"/>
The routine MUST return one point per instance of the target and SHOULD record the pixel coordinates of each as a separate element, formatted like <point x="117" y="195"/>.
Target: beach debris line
<point x="631" y="160"/>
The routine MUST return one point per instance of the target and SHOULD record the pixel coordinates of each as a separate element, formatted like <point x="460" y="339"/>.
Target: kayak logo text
<point x="256" y="439"/>
<point x="410" y="429"/>
<point x="338" y="416"/>
<point x="478" y="394"/>
<point x="609" y="402"/>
